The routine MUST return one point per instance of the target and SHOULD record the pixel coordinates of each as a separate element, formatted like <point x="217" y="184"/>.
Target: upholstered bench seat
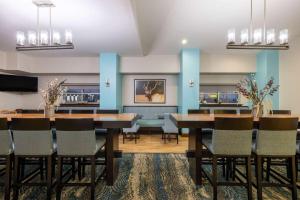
<point x="150" y="123"/>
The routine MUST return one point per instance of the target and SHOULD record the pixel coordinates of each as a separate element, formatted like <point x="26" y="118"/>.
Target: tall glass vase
<point x="258" y="110"/>
<point x="49" y="110"/>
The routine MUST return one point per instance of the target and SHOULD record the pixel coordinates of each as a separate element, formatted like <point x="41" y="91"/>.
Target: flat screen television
<point x="14" y="83"/>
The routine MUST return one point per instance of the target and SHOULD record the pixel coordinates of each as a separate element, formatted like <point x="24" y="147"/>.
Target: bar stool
<point x="76" y="139"/>
<point x="32" y="139"/>
<point x="276" y="138"/>
<point x="6" y="153"/>
<point x="232" y="139"/>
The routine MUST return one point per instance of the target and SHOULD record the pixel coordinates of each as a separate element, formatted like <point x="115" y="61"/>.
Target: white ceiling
<point x="141" y="27"/>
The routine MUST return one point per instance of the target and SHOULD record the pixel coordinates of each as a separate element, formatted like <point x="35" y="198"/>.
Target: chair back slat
<point x="232" y="136"/>
<point x="233" y="123"/>
<point x="32" y="136"/>
<point x="221" y="111"/>
<point x="75" y="137"/>
<point x="199" y="111"/>
<point x="277" y="136"/>
<point x="242" y="111"/>
<point x="83" y="111"/>
<point x="112" y="111"/>
<point x="5" y="138"/>
<point x="281" y="112"/>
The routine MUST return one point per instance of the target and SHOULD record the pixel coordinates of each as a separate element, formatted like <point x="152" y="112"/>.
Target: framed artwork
<point x="151" y="91"/>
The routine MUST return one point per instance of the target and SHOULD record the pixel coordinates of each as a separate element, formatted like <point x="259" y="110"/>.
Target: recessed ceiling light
<point x="184" y="41"/>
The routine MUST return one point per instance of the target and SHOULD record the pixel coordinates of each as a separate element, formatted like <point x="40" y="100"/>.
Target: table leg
<point x="112" y="145"/>
<point x="195" y="161"/>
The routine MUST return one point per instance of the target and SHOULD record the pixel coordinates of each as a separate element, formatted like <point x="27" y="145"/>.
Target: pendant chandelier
<point x="260" y="38"/>
<point x="43" y="39"/>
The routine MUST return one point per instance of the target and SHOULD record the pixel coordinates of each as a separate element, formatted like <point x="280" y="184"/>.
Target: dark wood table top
<point x="123" y="120"/>
<point x="207" y="120"/>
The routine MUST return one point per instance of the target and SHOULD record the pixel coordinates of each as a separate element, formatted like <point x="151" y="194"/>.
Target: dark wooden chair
<point x="6" y="153"/>
<point x="276" y="139"/>
<point x="199" y="111"/>
<point x="27" y="132"/>
<point x="76" y="139"/>
<point x="82" y="111"/>
<point x="239" y="132"/>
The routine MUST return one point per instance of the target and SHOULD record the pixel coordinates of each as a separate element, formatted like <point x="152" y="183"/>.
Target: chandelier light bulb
<point x="244" y="36"/>
<point x="231" y="36"/>
<point x="56" y="38"/>
<point x="44" y="38"/>
<point x="68" y="37"/>
<point x="32" y="38"/>
<point x="284" y="36"/>
<point x="20" y="38"/>
<point x="270" y="36"/>
<point x="257" y="36"/>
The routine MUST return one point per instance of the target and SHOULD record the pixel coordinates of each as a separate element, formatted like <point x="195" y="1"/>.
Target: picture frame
<point x="150" y="91"/>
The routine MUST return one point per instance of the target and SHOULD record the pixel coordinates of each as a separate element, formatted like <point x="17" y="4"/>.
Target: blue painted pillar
<point x="188" y="96"/>
<point x="110" y="94"/>
<point x="267" y="66"/>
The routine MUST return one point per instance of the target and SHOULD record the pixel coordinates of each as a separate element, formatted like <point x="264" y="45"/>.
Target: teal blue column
<point x="267" y="66"/>
<point x="110" y="81"/>
<point x="188" y="96"/>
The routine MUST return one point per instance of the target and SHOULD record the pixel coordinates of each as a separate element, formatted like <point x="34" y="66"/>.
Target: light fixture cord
<point x="50" y="22"/>
<point x="265" y="16"/>
<point x="38" y="25"/>
<point x="251" y="22"/>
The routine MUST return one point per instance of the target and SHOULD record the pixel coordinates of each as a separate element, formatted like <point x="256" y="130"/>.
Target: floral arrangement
<point x="249" y="89"/>
<point x="52" y="94"/>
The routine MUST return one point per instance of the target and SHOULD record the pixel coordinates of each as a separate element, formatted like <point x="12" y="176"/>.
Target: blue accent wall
<point x="110" y="97"/>
<point x="188" y="97"/>
<point x="267" y="66"/>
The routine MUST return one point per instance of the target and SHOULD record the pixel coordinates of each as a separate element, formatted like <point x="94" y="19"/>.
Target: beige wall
<point x="289" y="77"/>
<point x="228" y="63"/>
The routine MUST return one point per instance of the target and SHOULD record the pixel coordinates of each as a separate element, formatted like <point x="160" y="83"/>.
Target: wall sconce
<point x="107" y="83"/>
<point x="191" y="83"/>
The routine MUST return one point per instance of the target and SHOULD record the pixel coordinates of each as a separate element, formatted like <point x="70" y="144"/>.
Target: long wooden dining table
<point x="196" y="123"/>
<point x="112" y="122"/>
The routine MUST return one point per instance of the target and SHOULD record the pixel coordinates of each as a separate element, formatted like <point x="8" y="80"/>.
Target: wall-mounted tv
<point x="18" y="83"/>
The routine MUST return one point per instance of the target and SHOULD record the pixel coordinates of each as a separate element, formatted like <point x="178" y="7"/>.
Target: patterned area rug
<point x="153" y="176"/>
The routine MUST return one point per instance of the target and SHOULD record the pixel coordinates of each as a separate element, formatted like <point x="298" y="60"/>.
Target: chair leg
<point x="177" y="137"/>
<point x="73" y="168"/>
<point x="249" y="181"/>
<point x="259" y="177"/>
<point x="268" y="169"/>
<point x="7" y="180"/>
<point x="293" y="177"/>
<point x="296" y="165"/>
<point x="16" y="178"/>
<point x="135" y="138"/>
<point x="49" y="177"/>
<point x="79" y="169"/>
<point x="41" y="160"/>
<point x="93" y="177"/>
<point x="123" y="137"/>
<point x="59" y="177"/>
<point x="83" y="167"/>
<point x="214" y="177"/>
<point x="223" y="167"/>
